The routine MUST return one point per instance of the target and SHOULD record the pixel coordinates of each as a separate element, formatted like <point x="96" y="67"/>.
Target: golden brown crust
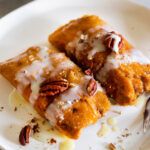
<point x="89" y="109"/>
<point x="82" y="113"/>
<point x="12" y="66"/>
<point x="81" y="24"/>
<point x="124" y="84"/>
<point x="67" y="33"/>
<point x="127" y="82"/>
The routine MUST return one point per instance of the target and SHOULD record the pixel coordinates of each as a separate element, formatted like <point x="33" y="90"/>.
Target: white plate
<point x="31" y="25"/>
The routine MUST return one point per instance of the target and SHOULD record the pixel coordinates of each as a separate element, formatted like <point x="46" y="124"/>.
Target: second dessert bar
<point x="99" y="50"/>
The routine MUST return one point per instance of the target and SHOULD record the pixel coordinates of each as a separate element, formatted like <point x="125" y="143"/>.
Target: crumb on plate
<point x="111" y="146"/>
<point x="104" y="130"/>
<point x="52" y="141"/>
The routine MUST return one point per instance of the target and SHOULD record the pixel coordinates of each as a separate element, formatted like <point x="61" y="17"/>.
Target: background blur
<point x="8" y="5"/>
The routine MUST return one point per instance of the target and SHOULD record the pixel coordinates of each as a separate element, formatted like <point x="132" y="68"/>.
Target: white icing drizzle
<point x="95" y="42"/>
<point x="53" y="113"/>
<point x="97" y="45"/>
<point x="32" y="74"/>
<point x="57" y="56"/>
<point x="66" y="99"/>
<point x="114" y="61"/>
<point x="65" y="65"/>
<point x="80" y="43"/>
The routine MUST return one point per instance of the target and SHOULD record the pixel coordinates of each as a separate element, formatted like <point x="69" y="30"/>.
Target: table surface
<point x="7" y="6"/>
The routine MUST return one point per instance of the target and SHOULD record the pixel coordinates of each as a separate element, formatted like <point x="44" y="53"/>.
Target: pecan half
<point x="24" y="135"/>
<point x="146" y="121"/>
<point x="53" y="87"/>
<point x="113" y="41"/>
<point x="91" y="87"/>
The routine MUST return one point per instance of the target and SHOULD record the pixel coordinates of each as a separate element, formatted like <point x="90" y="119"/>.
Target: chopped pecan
<point x="24" y="135"/>
<point x="88" y="72"/>
<point x="111" y="146"/>
<point x="53" y="87"/>
<point x="113" y="41"/>
<point x="36" y="128"/>
<point x="91" y="87"/>
<point x="53" y="141"/>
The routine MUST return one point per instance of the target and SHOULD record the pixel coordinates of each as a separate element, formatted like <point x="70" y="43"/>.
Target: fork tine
<point x="146" y="121"/>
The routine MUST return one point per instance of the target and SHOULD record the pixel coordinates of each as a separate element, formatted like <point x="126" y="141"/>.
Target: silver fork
<point x="146" y="121"/>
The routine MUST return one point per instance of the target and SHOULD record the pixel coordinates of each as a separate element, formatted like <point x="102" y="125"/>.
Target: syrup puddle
<point x="44" y="132"/>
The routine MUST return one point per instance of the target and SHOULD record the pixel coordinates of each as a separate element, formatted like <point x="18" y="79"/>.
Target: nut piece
<point x="91" y="87"/>
<point x="88" y="72"/>
<point x="24" y="135"/>
<point x="53" y="87"/>
<point x="52" y="141"/>
<point x="111" y="146"/>
<point x="113" y="41"/>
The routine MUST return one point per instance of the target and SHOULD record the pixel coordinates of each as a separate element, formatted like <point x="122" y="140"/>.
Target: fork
<point x="146" y="121"/>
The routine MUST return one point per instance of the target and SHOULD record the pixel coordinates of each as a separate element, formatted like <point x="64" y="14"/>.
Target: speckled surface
<point x="7" y="6"/>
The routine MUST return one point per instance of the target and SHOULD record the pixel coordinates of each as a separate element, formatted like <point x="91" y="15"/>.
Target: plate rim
<point x="29" y="6"/>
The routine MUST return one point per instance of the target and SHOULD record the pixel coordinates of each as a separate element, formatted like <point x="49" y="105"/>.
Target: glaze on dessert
<point x="57" y="89"/>
<point x="123" y="70"/>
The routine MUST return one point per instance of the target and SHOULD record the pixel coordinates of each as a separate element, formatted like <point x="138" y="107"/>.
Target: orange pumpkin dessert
<point x="99" y="50"/>
<point x="57" y="89"/>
